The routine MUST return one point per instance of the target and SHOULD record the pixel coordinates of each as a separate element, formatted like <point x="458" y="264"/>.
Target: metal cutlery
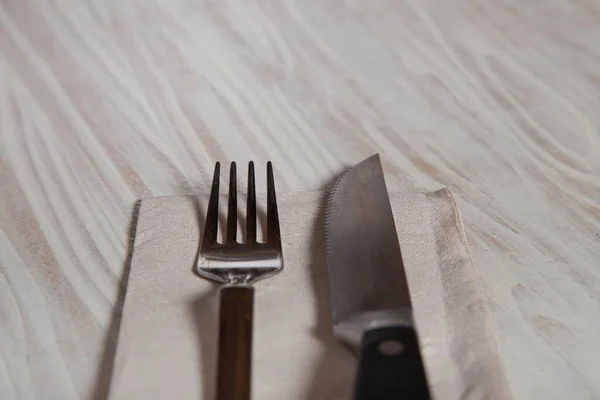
<point x="238" y="265"/>
<point x="370" y="301"/>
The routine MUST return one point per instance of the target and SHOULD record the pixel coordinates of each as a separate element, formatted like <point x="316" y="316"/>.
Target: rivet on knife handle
<point x="390" y="366"/>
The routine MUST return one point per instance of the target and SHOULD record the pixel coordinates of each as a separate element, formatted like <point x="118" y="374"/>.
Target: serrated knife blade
<point x="370" y="299"/>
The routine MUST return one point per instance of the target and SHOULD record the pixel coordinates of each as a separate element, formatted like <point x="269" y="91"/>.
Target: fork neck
<point x="239" y="279"/>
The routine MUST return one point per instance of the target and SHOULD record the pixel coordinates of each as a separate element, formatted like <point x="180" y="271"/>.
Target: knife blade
<point x="370" y="299"/>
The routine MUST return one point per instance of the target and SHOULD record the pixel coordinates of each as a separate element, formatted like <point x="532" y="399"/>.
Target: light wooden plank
<point x="104" y="102"/>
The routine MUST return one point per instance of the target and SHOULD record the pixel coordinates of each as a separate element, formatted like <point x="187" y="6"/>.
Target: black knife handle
<point x="390" y="366"/>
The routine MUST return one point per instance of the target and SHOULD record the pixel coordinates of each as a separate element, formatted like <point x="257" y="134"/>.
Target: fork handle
<point x="235" y="342"/>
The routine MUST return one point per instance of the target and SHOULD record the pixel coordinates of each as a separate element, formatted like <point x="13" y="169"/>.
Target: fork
<point x="237" y="265"/>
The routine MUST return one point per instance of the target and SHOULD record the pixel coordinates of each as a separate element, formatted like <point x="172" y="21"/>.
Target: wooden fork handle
<point x="235" y="342"/>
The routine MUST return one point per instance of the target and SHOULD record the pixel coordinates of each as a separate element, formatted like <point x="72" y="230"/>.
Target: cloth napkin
<point x="168" y="338"/>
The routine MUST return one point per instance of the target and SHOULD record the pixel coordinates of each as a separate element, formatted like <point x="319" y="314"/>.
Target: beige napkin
<point x="168" y="338"/>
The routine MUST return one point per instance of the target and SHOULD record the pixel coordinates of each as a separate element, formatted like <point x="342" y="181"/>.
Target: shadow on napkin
<point x="102" y="385"/>
<point x="326" y="385"/>
<point x="203" y="312"/>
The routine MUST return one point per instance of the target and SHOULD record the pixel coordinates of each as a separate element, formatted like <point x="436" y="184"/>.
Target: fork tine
<point x="212" y="212"/>
<point x="232" y="207"/>
<point x="251" y="206"/>
<point x="273" y="233"/>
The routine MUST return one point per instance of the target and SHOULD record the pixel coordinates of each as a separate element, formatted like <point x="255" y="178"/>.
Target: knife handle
<point x="390" y="366"/>
<point x="235" y="342"/>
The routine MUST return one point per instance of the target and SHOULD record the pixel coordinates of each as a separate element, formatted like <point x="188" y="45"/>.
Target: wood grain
<point x="104" y="102"/>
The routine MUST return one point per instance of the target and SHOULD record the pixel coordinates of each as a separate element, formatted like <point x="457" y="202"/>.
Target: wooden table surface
<point x="105" y="102"/>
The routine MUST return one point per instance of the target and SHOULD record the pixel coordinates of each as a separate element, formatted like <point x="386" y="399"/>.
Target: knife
<point x="370" y="301"/>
